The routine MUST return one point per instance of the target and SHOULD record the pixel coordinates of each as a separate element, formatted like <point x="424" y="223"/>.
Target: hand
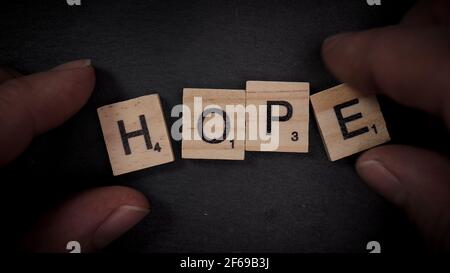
<point x="31" y="105"/>
<point x="409" y="63"/>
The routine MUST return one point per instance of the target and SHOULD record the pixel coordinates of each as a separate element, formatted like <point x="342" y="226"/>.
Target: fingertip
<point x="73" y="65"/>
<point x="332" y="44"/>
<point x="40" y="102"/>
<point x="372" y="167"/>
<point x="93" y="218"/>
<point x="414" y="179"/>
<point x="344" y="54"/>
<point x="77" y="86"/>
<point x="376" y="153"/>
<point x="119" y="221"/>
<point x="124" y="195"/>
<point x="51" y="97"/>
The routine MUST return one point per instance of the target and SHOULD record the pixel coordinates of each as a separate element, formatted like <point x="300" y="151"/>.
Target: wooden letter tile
<point x="213" y="132"/>
<point x="349" y="122"/>
<point x="292" y="120"/>
<point x="135" y="134"/>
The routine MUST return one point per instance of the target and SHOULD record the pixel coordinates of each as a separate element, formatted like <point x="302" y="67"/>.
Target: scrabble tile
<point x="292" y="99"/>
<point x="209" y="123"/>
<point x="135" y="134"/>
<point x="349" y="122"/>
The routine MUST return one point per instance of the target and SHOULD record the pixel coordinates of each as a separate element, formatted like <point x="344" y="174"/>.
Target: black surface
<point x="271" y="201"/>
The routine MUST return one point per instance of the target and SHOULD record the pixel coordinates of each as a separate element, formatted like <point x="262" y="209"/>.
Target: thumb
<point x="93" y="218"/>
<point x="418" y="181"/>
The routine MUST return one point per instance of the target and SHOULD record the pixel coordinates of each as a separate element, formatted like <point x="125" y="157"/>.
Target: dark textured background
<point x="270" y="202"/>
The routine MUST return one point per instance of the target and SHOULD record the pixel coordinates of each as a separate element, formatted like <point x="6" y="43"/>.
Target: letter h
<point x="126" y="136"/>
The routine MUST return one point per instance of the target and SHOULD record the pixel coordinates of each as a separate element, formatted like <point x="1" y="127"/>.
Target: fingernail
<point x="382" y="180"/>
<point x="73" y="65"/>
<point x="118" y="222"/>
<point x="332" y="41"/>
